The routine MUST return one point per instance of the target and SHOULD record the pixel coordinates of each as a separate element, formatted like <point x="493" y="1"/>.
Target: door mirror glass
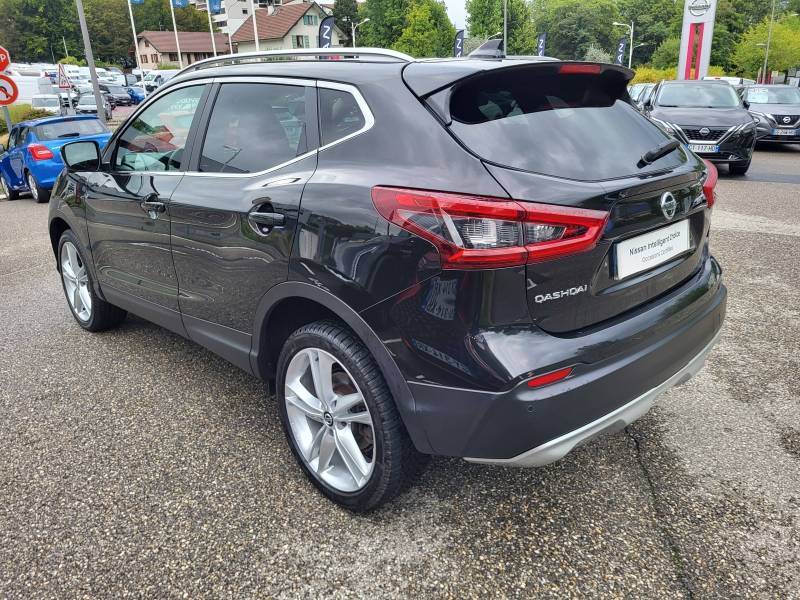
<point x="81" y="156"/>
<point x="155" y="140"/>
<point x="2" y="148"/>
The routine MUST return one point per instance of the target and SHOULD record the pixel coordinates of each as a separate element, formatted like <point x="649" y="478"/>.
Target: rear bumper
<point x="559" y="447"/>
<point x="534" y="426"/>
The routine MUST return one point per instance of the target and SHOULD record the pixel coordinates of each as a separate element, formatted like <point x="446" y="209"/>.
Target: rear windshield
<point x="40" y="102"/>
<point x="573" y="126"/>
<point x="113" y="89"/>
<point x="782" y="95"/>
<point x="698" y="95"/>
<point x="70" y="129"/>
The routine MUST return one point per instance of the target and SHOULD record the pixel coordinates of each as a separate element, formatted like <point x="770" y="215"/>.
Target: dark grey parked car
<point x="777" y="109"/>
<point x="493" y="259"/>
<point x="708" y="117"/>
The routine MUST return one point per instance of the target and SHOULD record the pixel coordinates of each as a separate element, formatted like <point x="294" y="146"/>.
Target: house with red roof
<point x="158" y="48"/>
<point x="286" y="26"/>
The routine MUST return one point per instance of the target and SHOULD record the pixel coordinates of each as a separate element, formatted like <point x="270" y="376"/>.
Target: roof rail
<point x="246" y="57"/>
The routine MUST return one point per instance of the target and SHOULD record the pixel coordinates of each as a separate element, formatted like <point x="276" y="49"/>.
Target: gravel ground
<point x="136" y="464"/>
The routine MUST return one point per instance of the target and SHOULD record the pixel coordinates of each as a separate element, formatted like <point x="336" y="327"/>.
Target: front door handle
<point x="263" y="222"/>
<point x="152" y="208"/>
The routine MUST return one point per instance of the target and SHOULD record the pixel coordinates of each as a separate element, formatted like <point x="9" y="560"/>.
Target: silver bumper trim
<point x="556" y="449"/>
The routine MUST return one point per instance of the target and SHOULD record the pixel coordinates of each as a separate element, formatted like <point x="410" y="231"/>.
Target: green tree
<point x="485" y="20"/>
<point x="784" y="48"/>
<point x="154" y="15"/>
<point x="573" y="26"/>
<point x="651" y="24"/>
<point x="428" y="32"/>
<point x="108" y="23"/>
<point x="667" y="54"/>
<point x="387" y="19"/>
<point x="345" y="12"/>
<point x="595" y="54"/>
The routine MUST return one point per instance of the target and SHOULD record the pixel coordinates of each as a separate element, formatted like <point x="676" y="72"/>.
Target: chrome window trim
<point x="142" y="107"/>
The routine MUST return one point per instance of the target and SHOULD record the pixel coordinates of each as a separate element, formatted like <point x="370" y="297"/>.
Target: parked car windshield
<point x="573" y="126"/>
<point x="781" y="95"/>
<point x="69" y="129"/>
<point x="698" y="95"/>
<point x="44" y="102"/>
<point x="87" y="100"/>
<point x="116" y="89"/>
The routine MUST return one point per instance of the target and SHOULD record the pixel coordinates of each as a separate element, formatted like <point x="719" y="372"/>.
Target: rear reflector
<point x="549" y="378"/>
<point x="476" y="232"/>
<point x="710" y="184"/>
<point x="39" y="152"/>
<point x="579" y="68"/>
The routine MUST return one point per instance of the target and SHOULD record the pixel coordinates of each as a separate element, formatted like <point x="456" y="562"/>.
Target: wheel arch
<point x="56" y="229"/>
<point x="292" y="304"/>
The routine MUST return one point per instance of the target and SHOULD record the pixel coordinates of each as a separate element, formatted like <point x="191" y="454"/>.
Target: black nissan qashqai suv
<point x="494" y="259"/>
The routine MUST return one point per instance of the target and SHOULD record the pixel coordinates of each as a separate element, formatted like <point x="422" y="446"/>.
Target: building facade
<point x="284" y="27"/>
<point x="158" y="48"/>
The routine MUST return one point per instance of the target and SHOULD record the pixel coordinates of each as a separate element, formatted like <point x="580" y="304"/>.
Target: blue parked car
<point x="32" y="162"/>
<point x="136" y="93"/>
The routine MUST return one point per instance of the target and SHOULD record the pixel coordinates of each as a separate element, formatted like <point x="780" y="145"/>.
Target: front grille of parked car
<point x="712" y="135"/>
<point x="792" y="120"/>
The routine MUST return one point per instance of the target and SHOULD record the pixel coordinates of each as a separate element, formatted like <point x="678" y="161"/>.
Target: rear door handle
<point x="263" y="222"/>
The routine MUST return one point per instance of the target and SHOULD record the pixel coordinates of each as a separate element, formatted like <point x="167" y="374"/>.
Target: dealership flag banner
<point x="137" y="1"/>
<point x="621" y="45"/>
<point x="540" y="45"/>
<point x="458" y="44"/>
<point x="326" y="32"/>
<point x="215" y="6"/>
<point x="180" y="3"/>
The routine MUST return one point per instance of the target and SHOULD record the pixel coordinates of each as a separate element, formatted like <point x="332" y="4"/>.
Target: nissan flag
<point x="326" y="32"/>
<point x="215" y="6"/>
<point x="137" y="1"/>
<point x="458" y="44"/>
<point x="621" y="45"/>
<point x="180" y="3"/>
<point x="540" y="45"/>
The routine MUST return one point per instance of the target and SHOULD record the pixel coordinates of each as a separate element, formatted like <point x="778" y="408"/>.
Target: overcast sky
<point x="457" y="13"/>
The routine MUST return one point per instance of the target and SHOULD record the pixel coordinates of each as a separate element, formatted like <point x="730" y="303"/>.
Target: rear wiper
<point x="668" y="105"/>
<point x="65" y="135"/>
<point x="653" y="155"/>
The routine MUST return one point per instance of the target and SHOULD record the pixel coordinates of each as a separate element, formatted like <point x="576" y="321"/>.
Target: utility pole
<point x="66" y="53"/>
<point x="769" y="38"/>
<point x="177" y="42"/>
<point x="505" y="27"/>
<point x="136" y="45"/>
<point x="211" y="28"/>
<point x="87" y="45"/>
<point x="255" y="26"/>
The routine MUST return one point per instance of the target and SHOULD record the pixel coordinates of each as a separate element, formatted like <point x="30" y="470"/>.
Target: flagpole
<point x="175" y="27"/>
<point x="210" y="28"/>
<point x="255" y="26"/>
<point x="136" y="45"/>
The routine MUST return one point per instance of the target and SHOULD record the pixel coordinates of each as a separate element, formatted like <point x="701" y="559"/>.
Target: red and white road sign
<point x="5" y="59"/>
<point x="63" y="80"/>
<point x="8" y="91"/>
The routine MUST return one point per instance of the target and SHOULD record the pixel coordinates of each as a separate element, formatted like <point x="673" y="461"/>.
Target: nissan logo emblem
<point x="699" y="7"/>
<point x="668" y="205"/>
<point x="787" y="120"/>
<point x="705" y="131"/>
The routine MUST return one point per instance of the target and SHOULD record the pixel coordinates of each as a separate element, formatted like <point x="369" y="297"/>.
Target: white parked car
<point x="49" y="102"/>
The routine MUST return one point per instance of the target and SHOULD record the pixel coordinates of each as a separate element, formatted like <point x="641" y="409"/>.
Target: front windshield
<point x="40" y="102"/>
<point x="781" y="95"/>
<point x="87" y="100"/>
<point x="698" y="95"/>
<point x="149" y="77"/>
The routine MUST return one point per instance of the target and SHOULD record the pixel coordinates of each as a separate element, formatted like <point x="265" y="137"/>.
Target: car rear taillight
<point x="710" y="184"/>
<point x="39" y="152"/>
<point x="549" y="378"/>
<point x="476" y="232"/>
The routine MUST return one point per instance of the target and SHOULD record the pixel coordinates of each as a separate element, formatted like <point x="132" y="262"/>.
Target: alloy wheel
<point x="4" y="185"/>
<point x="330" y="420"/>
<point x="32" y="186"/>
<point x="76" y="282"/>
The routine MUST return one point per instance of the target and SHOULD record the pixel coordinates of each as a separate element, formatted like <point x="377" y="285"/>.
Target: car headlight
<point x="762" y="117"/>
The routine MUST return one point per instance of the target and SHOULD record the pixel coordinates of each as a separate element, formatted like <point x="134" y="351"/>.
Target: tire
<point x="366" y="425"/>
<point x="9" y="193"/>
<point x="739" y="169"/>
<point x="39" y="194"/>
<point x="90" y="311"/>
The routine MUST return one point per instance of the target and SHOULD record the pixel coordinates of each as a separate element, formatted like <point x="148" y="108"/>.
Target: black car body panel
<point x="178" y="245"/>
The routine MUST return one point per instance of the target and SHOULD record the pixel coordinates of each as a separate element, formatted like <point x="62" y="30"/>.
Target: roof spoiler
<point x="489" y="49"/>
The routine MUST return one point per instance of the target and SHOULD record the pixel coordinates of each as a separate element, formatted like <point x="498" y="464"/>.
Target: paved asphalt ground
<point x="135" y="464"/>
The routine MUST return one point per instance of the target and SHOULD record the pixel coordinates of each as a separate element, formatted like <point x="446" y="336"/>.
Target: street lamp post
<point x="353" y="27"/>
<point x="769" y="38"/>
<point x="630" y="54"/>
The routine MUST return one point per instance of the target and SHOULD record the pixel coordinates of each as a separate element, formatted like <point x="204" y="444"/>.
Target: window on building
<point x="146" y="44"/>
<point x="300" y="41"/>
<point x="221" y="24"/>
<point x="310" y="20"/>
<point x="154" y="57"/>
<point x="244" y="11"/>
<point x="144" y="58"/>
<point x="254" y="127"/>
<point x="173" y="56"/>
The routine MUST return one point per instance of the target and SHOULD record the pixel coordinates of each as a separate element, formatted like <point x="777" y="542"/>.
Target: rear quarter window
<point x="574" y="126"/>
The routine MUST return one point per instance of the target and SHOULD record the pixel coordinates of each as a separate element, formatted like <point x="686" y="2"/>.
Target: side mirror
<point x="647" y="104"/>
<point x="2" y="148"/>
<point x="81" y="156"/>
<point x="745" y="103"/>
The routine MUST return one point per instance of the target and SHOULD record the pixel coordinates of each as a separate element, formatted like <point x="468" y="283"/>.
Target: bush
<point x="666" y="55"/>
<point x="650" y="75"/>
<point x="19" y="113"/>
<point x="595" y="54"/>
<point x="167" y="67"/>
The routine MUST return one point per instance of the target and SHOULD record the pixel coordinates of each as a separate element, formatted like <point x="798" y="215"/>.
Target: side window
<point x="12" y="139"/>
<point x="339" y="115"/>
<point x="254" y="127"/>
<point x="156" y="138"/>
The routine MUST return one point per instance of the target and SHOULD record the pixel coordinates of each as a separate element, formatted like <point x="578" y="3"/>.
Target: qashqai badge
<point x="705" y="131"/>
<point x="668" y="205"/>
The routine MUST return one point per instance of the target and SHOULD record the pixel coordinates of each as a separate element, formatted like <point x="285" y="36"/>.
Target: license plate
<point x="784" y="132"/>
<point x="703" y="148"/>
<point x="652" y="249"/>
